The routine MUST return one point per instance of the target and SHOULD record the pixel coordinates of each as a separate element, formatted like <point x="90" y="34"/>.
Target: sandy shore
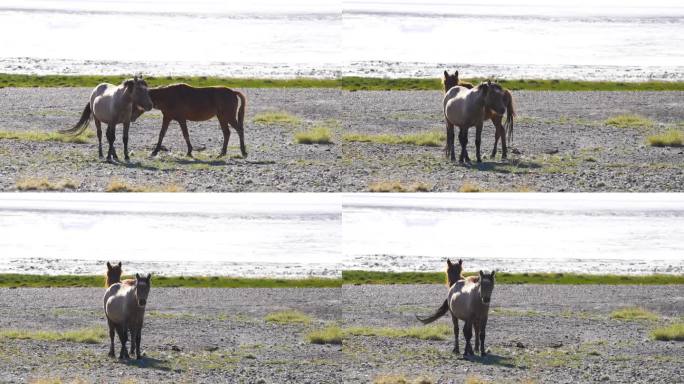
<point x="561" y="144"/>
<point x="548" y="334"/>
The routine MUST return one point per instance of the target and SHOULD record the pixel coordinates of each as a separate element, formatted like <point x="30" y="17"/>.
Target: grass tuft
<point x="428" y="139"/>
<point x="629" y="121"/>
<point x="633" y="313"/>
<point x="277" y="117"/>
<point x="289" y="316"/>
<point x="669" y="138"/>
<point x="328" y="335"/>
<point x="471" y="187"/>
<point x="315" y="135"/>
<point x="671" y="332"/>
<point x="86" y="335"/>
<point x="429" y="332"/>
<point x="43" y="184"/>
<point x="397" y="186"/>
<point x="122" y="186"/>
<point x="400" y="379"/>
<point x="47" y="136"/>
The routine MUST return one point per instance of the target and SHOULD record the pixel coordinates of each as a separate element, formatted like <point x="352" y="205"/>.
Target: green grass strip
<point x="9" y="280"/>
<point x="43" y="281"/>
<point x="85" y="335"/>
<point x="347" y="83"/>
<point x="371" y="277"/>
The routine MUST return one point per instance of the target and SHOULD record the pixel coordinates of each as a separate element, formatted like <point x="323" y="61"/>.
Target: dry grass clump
<point x="400" y="379"/>
<point x="289" y="316"/>
<point x="315" y="135"/>
<point x="397" y="186"/>
<point x="633" y="313"/>
<point x="328" y="335"/>
<point x="43" y="184"/>
<point x="669" y="138"/>
<point x="629" y="121"/>
<point x="122" y="186"/>
<point x="277" y="117"/>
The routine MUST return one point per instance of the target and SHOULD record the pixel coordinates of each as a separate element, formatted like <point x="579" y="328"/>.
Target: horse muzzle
<point x="486" y="300"/>
<point x="141" y="303"/>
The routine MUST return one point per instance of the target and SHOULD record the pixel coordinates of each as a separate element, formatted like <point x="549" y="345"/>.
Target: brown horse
<point x="182" y="102"/>
<point x="449" y="81"/>
<point x="114" y="273"/>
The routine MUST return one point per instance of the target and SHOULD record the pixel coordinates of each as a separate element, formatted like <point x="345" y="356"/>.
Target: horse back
<point x="182" y="101"/>
<point x="461" y="298"/>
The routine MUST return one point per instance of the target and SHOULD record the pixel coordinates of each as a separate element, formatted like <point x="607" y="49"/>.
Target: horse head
<point x="453" y="272"/>
<point x="449" y="81"/>
<point x="136" y="88"/>
<point x="494" y="97"/>
<point x="113" y="273"/>
<point x="142" y="289"/>
<point x="486" y="286"/>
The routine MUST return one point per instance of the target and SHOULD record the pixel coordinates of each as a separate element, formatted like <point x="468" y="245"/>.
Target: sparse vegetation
<point x="428" y="332"/>
<point x="397" y="186"/>
<point x="429" y="139"/>
<point x="86" y="335"/>
<point x="669" y="138"/>
<point x="328" y="335"/>
<point x="289" y="316"/>
<point x="315" y="135"/>
<point x="43" y="184"/>
<point x="47" y="136"/>
<point x="122" y="186"/>
<point x="633" y="313"/>
<point x="468" y="186"/>
<point x="400" y="379"/>
<point x="629" y="121"/>
<point x="671" y="332"/>
<point x="277" y="117"/>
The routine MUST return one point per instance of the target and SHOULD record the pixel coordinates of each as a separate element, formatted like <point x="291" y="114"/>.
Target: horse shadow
<point x="511" y="166"/>
<point x="497" y="360"/>
<point x="148" y="363"/>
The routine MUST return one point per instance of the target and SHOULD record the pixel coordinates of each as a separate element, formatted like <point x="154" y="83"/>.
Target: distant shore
<point x="345" y="83"/>
<point x="352" y="277"/>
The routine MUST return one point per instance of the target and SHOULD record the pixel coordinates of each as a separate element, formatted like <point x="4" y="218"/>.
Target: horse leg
<point x="126" y="126"/>
<point x="504" y="143"/>
<point x="111" y="337"/>
<point x="449" y="147"/>
<point x="463" y="139"/>
<point x="476" y="329"/>
<point x="138" y="337"/>
<point x="478" y="141"/>
<point x="454" y="319"/>
<point x="496" y="119"/>
<point x="186" y="136"/>
<point x="165" y="126"/>
<point x="225" y="128"/>
<point x="111" y="135"/>
<point x="122" y="331"/>
<point x="468" y="334"/>
<point x="98" y="125"/>
<point x="133" y="340"/>
<point x="241" y="135"/>
<point x="483" y="325"/>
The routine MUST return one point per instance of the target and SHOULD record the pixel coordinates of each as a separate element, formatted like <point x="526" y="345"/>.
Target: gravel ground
<point x="561" y="144"/>
<point x="549" y="334"/>
<point x="550" y="126"/>
<point x="275" y="162"/>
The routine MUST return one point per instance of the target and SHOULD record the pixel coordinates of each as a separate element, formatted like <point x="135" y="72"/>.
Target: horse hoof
<point x="483" y="354"/>
<point x="456" y="351"/>
<point x="110" y="354"/>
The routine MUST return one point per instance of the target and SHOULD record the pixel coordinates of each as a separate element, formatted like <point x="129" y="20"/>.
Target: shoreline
<point x="348" y="83"/>
<point x="349" y="277"/>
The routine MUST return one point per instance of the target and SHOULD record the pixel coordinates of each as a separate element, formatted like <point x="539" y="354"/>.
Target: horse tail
<point x="439" y="313"/>
<point x="241" y="110"/>
<point x="82" y="123"/>
<point x="510" y="113"/>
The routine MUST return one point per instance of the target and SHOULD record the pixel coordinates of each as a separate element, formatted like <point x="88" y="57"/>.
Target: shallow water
<point x="592" y="40"/>
<point x="587" y="233"/>
<point x="296" y="235"/>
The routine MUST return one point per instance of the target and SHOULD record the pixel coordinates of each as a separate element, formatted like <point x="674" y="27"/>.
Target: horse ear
<point x="460" y="261"/>
<point x="449" y="262"/>
<point x="109" y="266"/>
<point x="149" y="276"/>
<point x="456" y="73"/>
<point x="137" y="276"/>
<point x="446" y="74"/>
<point x="481" y="274"/>
<point x="493" y="271"/>
<point x="119" y="264"/>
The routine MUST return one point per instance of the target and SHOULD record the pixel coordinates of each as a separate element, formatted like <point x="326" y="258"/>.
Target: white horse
<point x="112" y="105"/>
<point x="466" y="108"/>
<point x="124" y="307"/>
<point x="468" y="300"/>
